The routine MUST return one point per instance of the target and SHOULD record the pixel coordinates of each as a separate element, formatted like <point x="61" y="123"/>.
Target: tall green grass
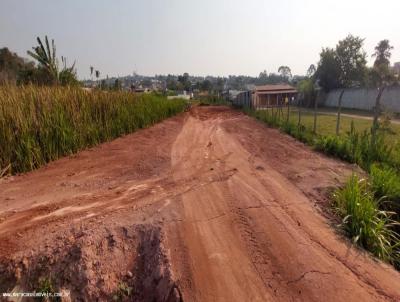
<point x="41" y="124"/>
<point x="385" y="182"/>
<point x="360" y="148"/>
<point x="368" y="225"/>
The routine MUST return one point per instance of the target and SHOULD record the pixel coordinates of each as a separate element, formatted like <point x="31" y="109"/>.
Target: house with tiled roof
<point x="265" y="96"/>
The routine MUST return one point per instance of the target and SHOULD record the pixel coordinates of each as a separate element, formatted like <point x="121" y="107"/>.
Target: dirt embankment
<point x="207" y="206"/>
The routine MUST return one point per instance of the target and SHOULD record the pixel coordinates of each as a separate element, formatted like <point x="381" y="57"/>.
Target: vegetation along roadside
<point x="370" y="209"/>
<point x="41" y="124"/>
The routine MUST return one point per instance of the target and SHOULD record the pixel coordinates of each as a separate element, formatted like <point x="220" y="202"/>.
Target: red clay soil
<point x="210" y="205"/>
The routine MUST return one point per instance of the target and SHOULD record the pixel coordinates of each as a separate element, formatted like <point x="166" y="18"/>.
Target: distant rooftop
<point x="275" y="87"/>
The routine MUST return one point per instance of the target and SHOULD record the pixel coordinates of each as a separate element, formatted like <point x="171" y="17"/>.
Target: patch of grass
<point x="122" y="292"/>
<point x="368" y="226"/>
<point x="41" y="124"/>
<point x="385" y="183"/>
<point x="46" y="288"/>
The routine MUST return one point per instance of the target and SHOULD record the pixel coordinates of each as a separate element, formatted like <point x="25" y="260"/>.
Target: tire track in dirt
<point x="260" y="226"/>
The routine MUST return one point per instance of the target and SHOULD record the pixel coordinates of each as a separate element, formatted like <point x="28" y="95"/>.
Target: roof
<point x="276" y="88"/>
<point x="265" y="92"/>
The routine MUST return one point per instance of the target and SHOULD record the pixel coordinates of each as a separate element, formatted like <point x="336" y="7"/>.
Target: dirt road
<point x="207" y="206"/>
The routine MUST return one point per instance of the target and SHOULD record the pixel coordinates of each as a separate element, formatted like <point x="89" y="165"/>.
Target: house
<point x="273" y="95"/>
<point x="266" y="96"/>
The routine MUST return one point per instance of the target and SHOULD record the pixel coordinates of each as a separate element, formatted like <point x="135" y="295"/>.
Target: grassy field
<point x="326" y="123"/>
<point x="41" y="124"/>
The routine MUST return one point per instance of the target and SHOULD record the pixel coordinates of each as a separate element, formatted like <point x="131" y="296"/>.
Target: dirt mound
<point x="122" y="264"/>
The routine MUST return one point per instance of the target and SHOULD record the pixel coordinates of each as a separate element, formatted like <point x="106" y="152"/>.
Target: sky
<point x="202" y="37"/>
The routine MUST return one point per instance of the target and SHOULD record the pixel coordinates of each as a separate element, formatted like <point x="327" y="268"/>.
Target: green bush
<point x="368" y="226"/>
<point x="41" y="124"/>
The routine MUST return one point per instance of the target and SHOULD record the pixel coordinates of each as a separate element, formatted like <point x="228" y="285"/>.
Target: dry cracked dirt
<point x="210" y="205"/>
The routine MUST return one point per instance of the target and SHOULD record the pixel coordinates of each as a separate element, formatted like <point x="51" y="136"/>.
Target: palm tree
<point x="46" y="57"/>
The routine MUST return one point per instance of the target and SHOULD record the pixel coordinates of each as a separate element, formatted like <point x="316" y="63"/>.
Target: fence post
<point x="338" y="113"/>
<point x="288" y="111"/>
<point x="299" y="106"/>
<point x="315" y="113"/>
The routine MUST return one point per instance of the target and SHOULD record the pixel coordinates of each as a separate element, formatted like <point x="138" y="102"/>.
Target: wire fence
<point x="322" y="120"/>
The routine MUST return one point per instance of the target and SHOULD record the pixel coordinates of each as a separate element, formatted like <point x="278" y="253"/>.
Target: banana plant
<point x="46" y="57"/>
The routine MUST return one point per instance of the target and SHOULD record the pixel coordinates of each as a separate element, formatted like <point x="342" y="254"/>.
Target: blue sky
<point x="208" y="37"/>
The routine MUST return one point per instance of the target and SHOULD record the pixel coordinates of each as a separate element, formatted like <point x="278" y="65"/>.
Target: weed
<point x="122" y="292"/>
<point x="46" y="288"/>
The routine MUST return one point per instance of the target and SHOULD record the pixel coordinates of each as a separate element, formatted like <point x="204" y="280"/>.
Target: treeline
<point x="233" y="82"/>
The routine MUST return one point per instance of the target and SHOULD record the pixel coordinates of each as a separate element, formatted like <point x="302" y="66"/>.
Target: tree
<point x="184" y="81"/>
<point x="171" y="82"/>
<point x="344" y="66"/>
<point x="91" y="72"/>
<point x="285" y="72"/>
<point x="206" y="85"/>
<point x="14" y="69"/>
<point x="328" y="71"/>
<point x="263" y="75"/>
<point x="219" y="85"/>
<point x="307" y="92"/>
<point x="351" y="60"/>
<point x="311" y="71"/>
<point x="48" y="71"/>
<point x="382" y="53"/>
<point x="382" y="76"/>
<point x="46" y="57"/>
